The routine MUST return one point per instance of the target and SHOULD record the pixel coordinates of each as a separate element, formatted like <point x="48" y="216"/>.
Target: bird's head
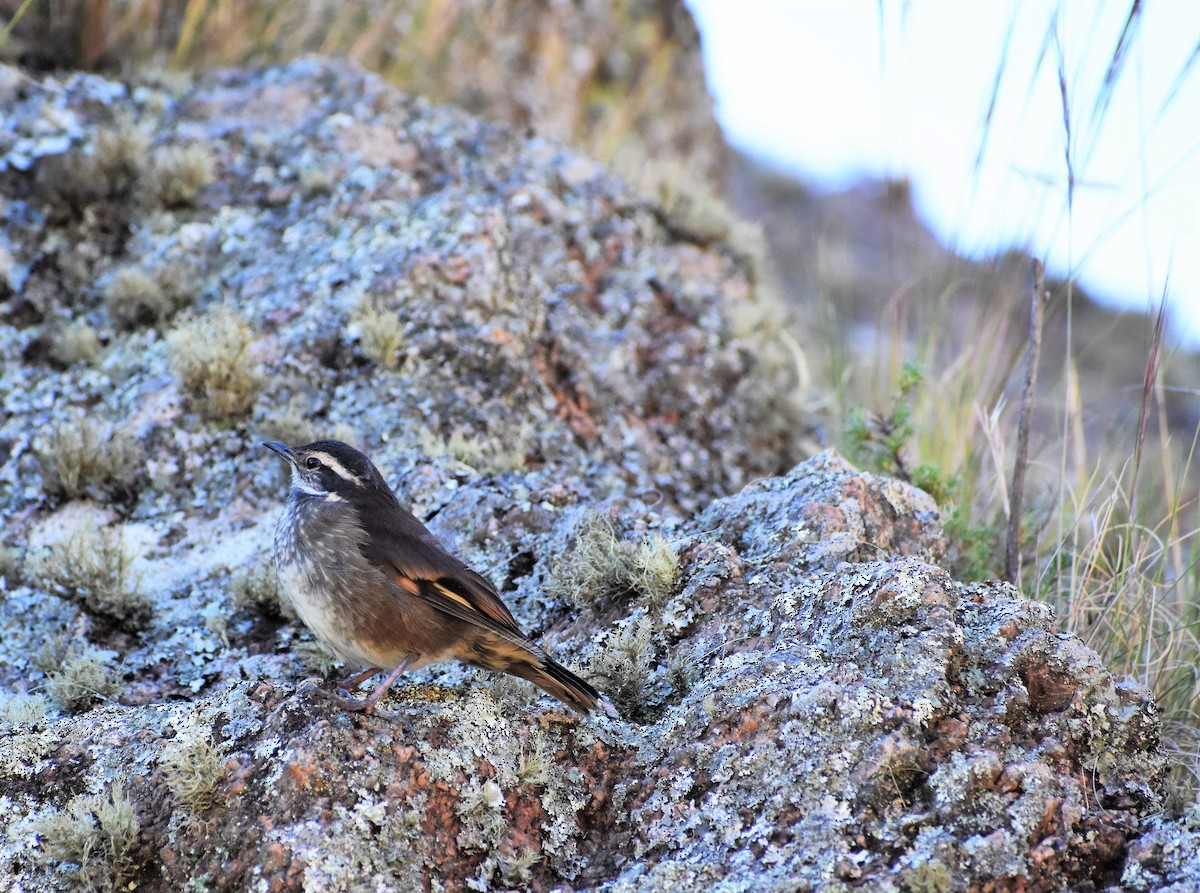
<point x="330" y="469"/>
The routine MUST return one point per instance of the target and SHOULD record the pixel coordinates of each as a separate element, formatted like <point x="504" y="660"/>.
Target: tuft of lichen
<point x="603" y="566"/>
<point x="194" y="769"/>
<point x="214" y="358"/>
<point x="82" y="457"/>
<point x="84" y="677"/>
<point x="110" y="167"/>
<point x="177" y="174"/>
<point x="90" y="838"/>
<point x="11" y="560"/>
<point x="621" y="667"/>
<point x="76" y="342"/>
<point x="134" y="297"/>
<point x="503" y="452"/>
<point x="94" y="568"/>
<point x="258" y="590"/>
<point x="380" y="335"/>
<point x="18" y="709"/>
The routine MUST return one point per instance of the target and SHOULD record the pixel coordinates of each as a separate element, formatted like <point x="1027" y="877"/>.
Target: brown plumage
<point x="383" y="593"/>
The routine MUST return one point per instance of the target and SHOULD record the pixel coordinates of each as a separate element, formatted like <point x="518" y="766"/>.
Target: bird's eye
<point x="312" y="462"/>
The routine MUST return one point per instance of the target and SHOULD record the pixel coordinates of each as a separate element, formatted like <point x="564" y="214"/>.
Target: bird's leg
<point x="357" y="679"/>
<point x="347" y="703"/>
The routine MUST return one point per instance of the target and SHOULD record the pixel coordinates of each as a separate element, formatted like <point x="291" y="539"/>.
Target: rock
<point x="524" y="347"/>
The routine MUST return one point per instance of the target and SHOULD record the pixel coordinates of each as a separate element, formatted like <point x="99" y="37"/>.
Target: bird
<point x="383" y="593"/>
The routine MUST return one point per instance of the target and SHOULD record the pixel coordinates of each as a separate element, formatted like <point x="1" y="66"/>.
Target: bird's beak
<point x="282" y="449"/>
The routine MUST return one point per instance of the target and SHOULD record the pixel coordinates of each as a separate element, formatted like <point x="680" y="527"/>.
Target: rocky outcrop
<point x="537" y="360"/>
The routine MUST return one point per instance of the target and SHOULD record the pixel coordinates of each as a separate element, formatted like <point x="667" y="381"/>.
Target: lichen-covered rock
<point x="810" y="701"/>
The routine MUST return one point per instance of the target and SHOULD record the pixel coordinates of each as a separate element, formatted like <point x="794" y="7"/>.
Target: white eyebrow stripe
<point x="337" y="468"/>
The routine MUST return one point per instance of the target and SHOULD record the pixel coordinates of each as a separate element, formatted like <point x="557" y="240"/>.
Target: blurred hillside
<point x="862" y="269"/>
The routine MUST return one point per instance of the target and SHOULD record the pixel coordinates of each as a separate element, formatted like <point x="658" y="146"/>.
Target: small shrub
<point x="79" y="457"/>
<point x="93" y="833"/>
<point x="880" y="442"/>
<point x="94" y="567"/>
<point x="213" y="358"/>
<point x="603" y="566"/>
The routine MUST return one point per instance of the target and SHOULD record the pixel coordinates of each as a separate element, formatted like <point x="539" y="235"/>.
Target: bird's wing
<point x="413" y="558"/>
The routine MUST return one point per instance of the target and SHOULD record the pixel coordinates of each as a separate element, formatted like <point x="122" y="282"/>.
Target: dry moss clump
<point x="91" y="836"/>
<point x="602" y="566"/>
<point x="110" y="167"/>
<point x="213" y="357"/>
<point x="177" y="174"/>
<point x="194" y="768"/>
<point x="94" y="568"/>
<point x="83" y="677"/>
<point x="134" y="298"/>
<point x="621" y="668"/>
<point x="80" y="457"/>
<point x="77" y="342"/>
<point x="380" y="335"/>
<point x="258" y="590"/>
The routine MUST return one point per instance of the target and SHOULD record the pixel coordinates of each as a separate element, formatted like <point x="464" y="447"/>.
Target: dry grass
<point x="1110" y="532"/>
<point x="515" y="60"/>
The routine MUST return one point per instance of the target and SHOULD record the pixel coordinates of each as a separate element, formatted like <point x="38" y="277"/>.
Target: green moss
<point x="602" y="566"/>
<point x="213" y="356"/>
<point x="80" y="457"/>
<point x="91" y="837"/>
<point x="94" y="568"/>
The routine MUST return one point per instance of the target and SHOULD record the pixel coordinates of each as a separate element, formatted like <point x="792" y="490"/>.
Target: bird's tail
<point x="559" y="682"/>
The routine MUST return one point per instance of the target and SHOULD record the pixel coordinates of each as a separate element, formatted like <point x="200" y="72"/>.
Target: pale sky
<point x="834" y="90"/>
